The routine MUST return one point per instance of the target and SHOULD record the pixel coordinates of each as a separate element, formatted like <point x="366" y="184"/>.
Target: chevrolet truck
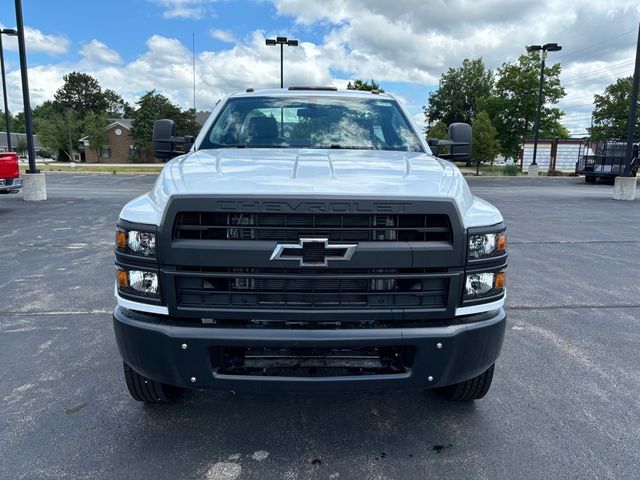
<point x="309" y="240"/>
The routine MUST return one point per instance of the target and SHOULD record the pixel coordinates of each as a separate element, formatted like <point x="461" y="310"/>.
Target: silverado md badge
<point x="313" y="252"/>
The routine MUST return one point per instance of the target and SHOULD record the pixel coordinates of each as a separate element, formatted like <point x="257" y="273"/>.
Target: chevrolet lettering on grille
<point x="313" y="252"/>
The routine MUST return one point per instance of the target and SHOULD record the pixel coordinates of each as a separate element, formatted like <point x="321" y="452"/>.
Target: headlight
<point x="484" y="284"/>
<point x="486" y="245"/>
<point x="138" y="282"/>
<point x="136" y="242"/>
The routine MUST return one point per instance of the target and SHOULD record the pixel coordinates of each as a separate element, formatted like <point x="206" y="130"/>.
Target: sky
<point x="405" y="45"/>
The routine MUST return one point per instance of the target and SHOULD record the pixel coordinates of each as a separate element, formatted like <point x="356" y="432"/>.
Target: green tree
<point x="81" y="93"/>
<point x="58" y="131"/>
<point x="440" y="131"/>
<point x="459" y="93"/>
<point x="611" y="111"/>
<point x="3" y="123"/>
<point x="485" y="145"/>
<point x="550" y="127"/>
<point x="22" y="146"/>
<point x="117" y="107"/>
<point x="18" y="123"/>
<point x="512" y="107"/>
<point x="363" y="85"/>
<point x="93" y="128"/>
<point x="153" y="106"/>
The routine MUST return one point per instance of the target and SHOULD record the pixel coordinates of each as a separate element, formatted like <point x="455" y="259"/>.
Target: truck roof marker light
<point x="498" y="282"/>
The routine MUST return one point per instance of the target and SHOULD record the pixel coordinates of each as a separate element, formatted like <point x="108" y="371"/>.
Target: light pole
<point x="25" y="89"/>
<point x="282" y="41"/>
<point x="633" y="110"/>
<point x="547" y="47"/>
<point x="625" y="184"/>
<point x="34" y="183"/>
<point x="13" y="33"/>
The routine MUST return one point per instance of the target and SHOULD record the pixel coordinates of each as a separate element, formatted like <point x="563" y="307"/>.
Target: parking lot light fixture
<point x="25" y="88"/>
<point x="13" y="33"/>
<point x="282" y="41"/>
<point x="547" y="47"/>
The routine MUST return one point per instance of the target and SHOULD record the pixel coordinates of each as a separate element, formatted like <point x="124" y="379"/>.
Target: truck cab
<point x="308" y="240"/>
<point x="10" y="181"/>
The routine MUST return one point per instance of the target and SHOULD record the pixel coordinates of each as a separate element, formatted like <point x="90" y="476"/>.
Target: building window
<point x="106" y="153"/>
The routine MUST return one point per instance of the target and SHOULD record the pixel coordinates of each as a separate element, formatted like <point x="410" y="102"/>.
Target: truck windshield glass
<point x="312" y="122"/>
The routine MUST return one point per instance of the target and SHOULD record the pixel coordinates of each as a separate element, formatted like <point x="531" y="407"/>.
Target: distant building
<point x="120" y="148"/>
<point x="120" y="145"/>
<point x="201" y="117"/>
<point x="15" y="138"/>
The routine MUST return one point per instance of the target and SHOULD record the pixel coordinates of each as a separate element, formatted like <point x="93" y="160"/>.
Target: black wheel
<point x="590" y="179"/>
<point x="473" y="389"/>
<point x="145" y="390"/>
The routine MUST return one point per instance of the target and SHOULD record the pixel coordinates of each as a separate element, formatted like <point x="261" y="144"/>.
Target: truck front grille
<point x="279" y="288"/>
<point x="293" y="226"/>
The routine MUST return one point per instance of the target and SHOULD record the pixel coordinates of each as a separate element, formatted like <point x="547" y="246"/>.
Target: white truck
<point x="309" y="240"/>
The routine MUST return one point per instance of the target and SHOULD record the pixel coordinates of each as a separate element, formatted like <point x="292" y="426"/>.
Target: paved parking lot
<point x="565" y="401"/>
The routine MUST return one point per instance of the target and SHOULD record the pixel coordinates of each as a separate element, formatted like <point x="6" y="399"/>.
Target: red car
<point x="10" y="181"/>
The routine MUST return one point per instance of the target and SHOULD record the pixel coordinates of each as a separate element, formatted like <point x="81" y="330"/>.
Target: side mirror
<point x="460" y="137"/>
<point x="165" y="143"/>
<point x="457" y="147"/>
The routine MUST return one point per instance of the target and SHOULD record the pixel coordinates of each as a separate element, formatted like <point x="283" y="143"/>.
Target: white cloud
<point x="166" y="67"/>
<point x="222" y="35"/>
<point x="193" y="9"/>
<point x="416" y="41"/>
<point x="37" y="41"/>
<point x="43" y="83"/>
<point x="97" y="52"/>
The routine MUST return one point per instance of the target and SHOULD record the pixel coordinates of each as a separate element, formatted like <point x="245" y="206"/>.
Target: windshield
<point x="312" y="122"/>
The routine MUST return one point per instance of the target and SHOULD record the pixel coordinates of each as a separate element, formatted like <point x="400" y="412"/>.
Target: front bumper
<point x="153" y="346"/>
<point x="10" y="184"/>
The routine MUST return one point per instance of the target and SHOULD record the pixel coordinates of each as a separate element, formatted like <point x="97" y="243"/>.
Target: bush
<point x="44" y="153"/>
<point x="512" y="170"/>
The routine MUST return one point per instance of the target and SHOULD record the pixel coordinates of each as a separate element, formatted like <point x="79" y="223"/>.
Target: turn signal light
<point x="121" y="239"/>
<point x="502" y="243"/>
<point x="498" y="282"/>
<point x="123" y="279"/>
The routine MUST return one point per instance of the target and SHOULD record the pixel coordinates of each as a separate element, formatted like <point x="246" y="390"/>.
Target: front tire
<point x="473" y="389"/>
<point x="145" y="390"/>
<point x="590" y="179"/>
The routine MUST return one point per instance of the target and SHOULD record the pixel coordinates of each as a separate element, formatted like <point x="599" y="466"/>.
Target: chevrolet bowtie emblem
<point x="313" y="252"/>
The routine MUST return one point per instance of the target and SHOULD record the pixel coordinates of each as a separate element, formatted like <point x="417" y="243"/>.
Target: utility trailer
<point x="605" y="159"/>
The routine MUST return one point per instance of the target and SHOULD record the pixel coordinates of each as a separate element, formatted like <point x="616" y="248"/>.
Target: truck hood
<point x="287" y="171"/>
<point x="315" y="172"/>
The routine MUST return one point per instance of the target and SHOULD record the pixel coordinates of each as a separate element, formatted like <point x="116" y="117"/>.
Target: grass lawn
<point x="84" y="168"/>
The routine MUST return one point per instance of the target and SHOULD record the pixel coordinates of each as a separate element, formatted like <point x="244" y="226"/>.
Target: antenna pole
<point x="193" y="48"/>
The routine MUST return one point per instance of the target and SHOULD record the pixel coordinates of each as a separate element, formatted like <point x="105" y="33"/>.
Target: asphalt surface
<point x="565" y="401"/>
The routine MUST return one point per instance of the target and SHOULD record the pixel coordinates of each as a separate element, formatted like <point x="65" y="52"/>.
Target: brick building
<point x="119" y="146"/>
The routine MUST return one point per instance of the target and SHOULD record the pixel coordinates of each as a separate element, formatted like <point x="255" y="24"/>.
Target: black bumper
<point x="153" y="346"/>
